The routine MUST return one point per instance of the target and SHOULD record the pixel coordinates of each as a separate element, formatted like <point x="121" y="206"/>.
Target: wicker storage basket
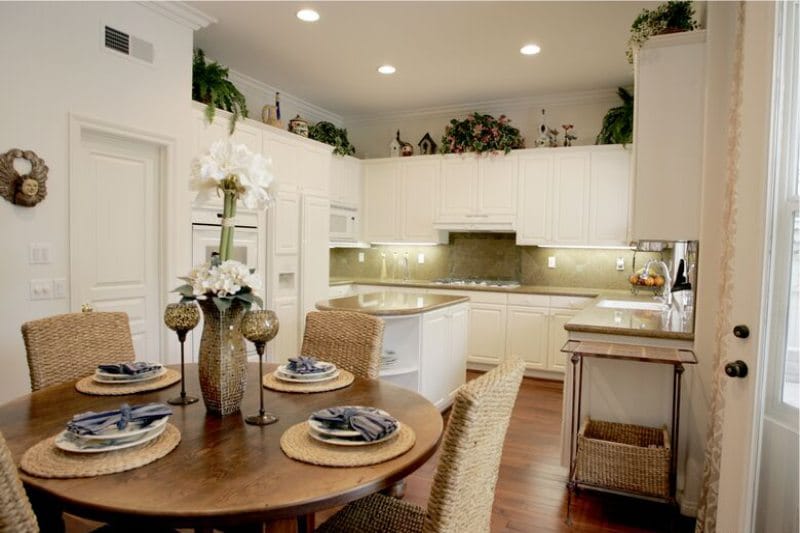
<point x="624" y="457"/>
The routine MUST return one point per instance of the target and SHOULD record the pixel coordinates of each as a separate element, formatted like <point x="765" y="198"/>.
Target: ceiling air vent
<point x="129" y="45"/>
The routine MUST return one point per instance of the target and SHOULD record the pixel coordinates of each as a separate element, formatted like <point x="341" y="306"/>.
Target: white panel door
<point x="534" y="213"/>
<point x="459" y="188"/>
<point x="609" y="197"/>
<point x="419" y="183"/>
<point x="487" y="334"/>
<point x="315" y="255"/>
<point x="526" y="335"/>
<point x="557" y="336"/>
<point x="380" y="201"/>
<point x="571" y="198"/>
<point x="287" y="223"/>
<point x="114" y="201"/>
<point x="497" y="185"/>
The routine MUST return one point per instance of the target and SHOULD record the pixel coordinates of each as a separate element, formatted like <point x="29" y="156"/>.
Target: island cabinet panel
<point x="487" y="339"/>
<point x="444" y="359"/>
<point x="557" y="336"/>
<point x="526" y="335"/>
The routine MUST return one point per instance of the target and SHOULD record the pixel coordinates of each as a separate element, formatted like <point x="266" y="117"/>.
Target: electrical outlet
<point x="421" y="258"/>
<point x="39" y="253"/>
<point x="551" y="261"/>
<point x="59" y="289"/>
<point x="360" y="257"/>
<point x="41" y="289"/>
<point x="620" y="263"/>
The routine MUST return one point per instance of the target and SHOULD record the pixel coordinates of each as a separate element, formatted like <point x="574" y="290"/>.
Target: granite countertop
<point x="390" y="303"/>
<point x="632" y="322"/>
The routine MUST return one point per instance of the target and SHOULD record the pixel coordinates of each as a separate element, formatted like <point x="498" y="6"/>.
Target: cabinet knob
<point x="736" y="369"/>
<point x="741" y="331"/>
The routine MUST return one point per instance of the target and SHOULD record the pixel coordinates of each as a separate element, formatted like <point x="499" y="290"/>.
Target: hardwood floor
<point x="531" y="494"/>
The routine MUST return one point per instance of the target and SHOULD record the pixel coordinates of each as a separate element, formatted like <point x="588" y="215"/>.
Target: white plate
<point x="123" y="379"/>
<point x="65" y="441"/>
<point x="351" y="442"/>
<point x="132" y="430"/>
<point x="325" y="431"/>
<point x="293" y="379"/>
<point x="330" y="368"/>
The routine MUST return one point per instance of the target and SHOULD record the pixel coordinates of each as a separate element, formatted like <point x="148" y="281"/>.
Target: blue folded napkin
<point x="92" y="423"/>
<point x="130" y="369"/>
<point x="371" y="424"/>
<point x="304" y="365"/>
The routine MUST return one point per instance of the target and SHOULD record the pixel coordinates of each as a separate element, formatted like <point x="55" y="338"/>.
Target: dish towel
<point x="92" y="423"/>
<point x="371" y="424"/>
<point x="130" y="369"/>
<point x="304" y="365"/>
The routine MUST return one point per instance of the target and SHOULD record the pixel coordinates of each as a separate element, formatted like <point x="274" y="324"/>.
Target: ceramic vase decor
<point x="223" y="360"/>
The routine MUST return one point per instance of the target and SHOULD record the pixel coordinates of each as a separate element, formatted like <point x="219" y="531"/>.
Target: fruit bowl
<point x="647" y="281"/>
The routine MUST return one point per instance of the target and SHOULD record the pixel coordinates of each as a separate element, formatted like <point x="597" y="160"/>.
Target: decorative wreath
<point x="26" y="190"/>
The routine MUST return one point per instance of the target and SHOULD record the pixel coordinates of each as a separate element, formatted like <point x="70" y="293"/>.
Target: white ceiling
<point x="445" y="52"/>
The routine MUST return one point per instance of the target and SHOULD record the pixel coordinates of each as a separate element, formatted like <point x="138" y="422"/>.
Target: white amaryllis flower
<point x="226" y="160"/>
<point x="227" y="279"/>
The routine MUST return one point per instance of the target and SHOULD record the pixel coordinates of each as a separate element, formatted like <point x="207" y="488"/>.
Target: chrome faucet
<point x="666" y="290"/>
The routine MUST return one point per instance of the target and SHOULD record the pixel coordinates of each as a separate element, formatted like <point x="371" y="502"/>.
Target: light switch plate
<point x="551" y="261"/>
<point x="360" y="257"/>
<point x="40" y="253"/>
<point x="421" y="258"/>
<point x="41" y="289"/>
<point x="620" y="263"/>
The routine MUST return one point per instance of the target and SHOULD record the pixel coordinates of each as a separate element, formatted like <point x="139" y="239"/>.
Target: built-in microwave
<point x="344" y="224"/>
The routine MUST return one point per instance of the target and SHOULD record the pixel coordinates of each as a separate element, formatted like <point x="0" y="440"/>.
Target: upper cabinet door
<point x="286" y="223"/>
<point x="497" y="184"/>
<point x="609" y="197"/>
<point x="571" y="198"/>
<point x="345" y="181"/>
<point x="419" y="182"/>
<point x="313" y="169"/>
<point x="535" y="209"/>
<point x="380" y="201"/>
<point x="459" y="188"/>
<point x="283" y="155"/>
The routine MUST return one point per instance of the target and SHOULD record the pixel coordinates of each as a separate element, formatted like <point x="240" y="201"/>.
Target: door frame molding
<point x="168" y="235"/>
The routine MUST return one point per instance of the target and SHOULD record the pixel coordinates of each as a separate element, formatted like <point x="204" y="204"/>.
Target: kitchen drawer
<point x="569" y="302"/>
<point x="529" y="300"/>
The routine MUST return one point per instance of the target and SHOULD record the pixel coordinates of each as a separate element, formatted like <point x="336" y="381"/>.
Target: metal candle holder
<point x="260" y="327"/>
<point x="182" y="318"/>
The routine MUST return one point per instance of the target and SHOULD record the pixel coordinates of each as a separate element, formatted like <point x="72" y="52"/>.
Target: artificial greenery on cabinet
<point x="670" y="17"/>
<point x="481" y="133"/>
<point x="618" y="122"/>
<point x="329" y="134"/>
<point x="211" y="86"/>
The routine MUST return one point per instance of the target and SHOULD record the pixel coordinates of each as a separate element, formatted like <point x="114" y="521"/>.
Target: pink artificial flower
<point x="495" y="132"/>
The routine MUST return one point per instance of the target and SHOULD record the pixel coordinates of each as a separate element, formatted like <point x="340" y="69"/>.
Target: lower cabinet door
<point x="556" y="359"/>
<point x="459" y="328"/>
<point x="487" y="333"/>
<point x="526" y="335"/>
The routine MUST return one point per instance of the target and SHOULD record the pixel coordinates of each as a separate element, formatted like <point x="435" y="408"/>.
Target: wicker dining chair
<point x="16" y="513"/>
<point x="463" y="487"/>
<point x="349" y="340"/>
<point x="66" y="347"/>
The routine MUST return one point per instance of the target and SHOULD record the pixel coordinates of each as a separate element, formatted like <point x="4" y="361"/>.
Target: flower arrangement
<point x="238" y="174"/>
<point x="329" y="134"/>
<point x="673" y="16"/>
<point x="480" y="133"/>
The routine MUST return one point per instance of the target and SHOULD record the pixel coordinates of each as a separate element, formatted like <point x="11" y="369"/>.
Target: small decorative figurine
<point x="25" y="190"/>
<point x="271" y="114"/>
<point x="552" y="137"/>
<point x="569" y="136"/>
<point x="299" y="126"/>
<point x="544" y="138"/>
<point x="426" y="145"/>
<point x="404" y="148"/>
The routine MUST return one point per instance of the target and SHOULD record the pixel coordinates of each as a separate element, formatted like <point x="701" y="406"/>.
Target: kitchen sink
<point x="628" y="304"/>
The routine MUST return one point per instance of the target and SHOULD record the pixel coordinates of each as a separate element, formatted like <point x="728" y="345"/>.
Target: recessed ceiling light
<point x="530" y="50"/>
<point x="387" y="69"/>
<point x="308" y="15"/>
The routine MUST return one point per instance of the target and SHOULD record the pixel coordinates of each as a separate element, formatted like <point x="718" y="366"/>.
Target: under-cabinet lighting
<point x="308" y="15"/>
<point x="388" y="243"/>
<point x="586" y="247"/>
<point x="387" y="69"/>
<point x="530" y="49"/>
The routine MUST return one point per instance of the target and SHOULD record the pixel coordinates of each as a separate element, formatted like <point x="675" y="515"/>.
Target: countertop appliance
<point x="477" y="282"/>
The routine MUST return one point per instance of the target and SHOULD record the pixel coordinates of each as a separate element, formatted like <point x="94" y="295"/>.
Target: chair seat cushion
<point x="376" y="514"/>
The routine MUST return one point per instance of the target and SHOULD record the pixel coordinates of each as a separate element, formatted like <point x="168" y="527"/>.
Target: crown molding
<point x="506" y="105"/>
<point x="182" y="13"/>
<point x="312" y="111"/>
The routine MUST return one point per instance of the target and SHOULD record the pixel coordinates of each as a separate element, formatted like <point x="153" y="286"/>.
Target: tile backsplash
<point x="492" y="256"/>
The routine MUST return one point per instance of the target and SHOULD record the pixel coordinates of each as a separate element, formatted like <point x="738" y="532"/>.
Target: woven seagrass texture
<point x="349" y="340"/>
<point x="16" y="513"/>
<point x="89" y="386"/>
<point x="463" y="487"/>
<point x="45" y="460"/>
<point x="376" y="514"/>
<point x="624" y="456"/>
<point x="341" y="381"/>
<point x="66" y="347"/>
<point x="297" y="444"/>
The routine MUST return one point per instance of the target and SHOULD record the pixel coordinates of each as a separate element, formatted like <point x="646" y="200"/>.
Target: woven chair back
<point x="352" y="341"/>
<point x="16" y="513"/>
<point x="463" y="487"/>
<point x="66" y="347"/>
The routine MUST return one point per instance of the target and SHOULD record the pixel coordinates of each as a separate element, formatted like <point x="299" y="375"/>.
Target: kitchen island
<point x="424" y="340"/>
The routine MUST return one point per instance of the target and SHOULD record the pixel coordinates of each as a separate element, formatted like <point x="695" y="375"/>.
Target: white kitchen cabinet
<point x="345" y="187"/>
<point x="286" y="222"/>
<point x="535" y="210"/>
<point x="526" y="335"/>
<point x="459" y="188"/>
<point x="556" y="337"/>
<point x="287" y="341"/>
<point x="283" y="153"/>
<point x="571" y="198"/>
<point x="487" y="333"/>
<point x="669" y="106"/>
<point x="497" y="186"/>
<point x="419" y="181"/>
<point x="314" y="252"/>
<point x="609" y="197"/>
<point x="381" y="218"/>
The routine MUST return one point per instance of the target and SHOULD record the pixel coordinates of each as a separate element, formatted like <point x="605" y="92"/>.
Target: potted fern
<point x="671" y="17"/>
<point x="211" y="86"/>
<point x="618" y="122"/>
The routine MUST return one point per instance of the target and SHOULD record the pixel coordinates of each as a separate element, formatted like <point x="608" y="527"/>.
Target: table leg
<point x="398" y="490"/>
<point x="49" y="512"/>
<point x="676" y="422"/>
<point x="577" y="385"/>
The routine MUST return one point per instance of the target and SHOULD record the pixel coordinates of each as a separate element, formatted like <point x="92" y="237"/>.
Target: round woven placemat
<point x="299" y="445"/>
<point x="89" y="386"/>
<point x="45" y="460"/>
<point x="341" y="381"/>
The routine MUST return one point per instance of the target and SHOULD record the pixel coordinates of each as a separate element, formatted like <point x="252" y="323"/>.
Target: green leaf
<point x="223" y="303"/>
<point x="185" y="290"/>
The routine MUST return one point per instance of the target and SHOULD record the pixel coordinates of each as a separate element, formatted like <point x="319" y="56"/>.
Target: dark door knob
<point x="741" y="331"/>
<point x="737" y="369"/>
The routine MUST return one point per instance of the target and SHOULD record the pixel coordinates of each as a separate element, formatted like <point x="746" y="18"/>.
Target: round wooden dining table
<point x="224" y="473"/>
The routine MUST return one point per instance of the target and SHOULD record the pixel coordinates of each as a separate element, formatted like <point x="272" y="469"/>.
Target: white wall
<point x="54" y="65"/>
<point x="371" y="135"/>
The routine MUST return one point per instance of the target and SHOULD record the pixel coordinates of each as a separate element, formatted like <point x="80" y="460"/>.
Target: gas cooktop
<point x="477" y="282"/>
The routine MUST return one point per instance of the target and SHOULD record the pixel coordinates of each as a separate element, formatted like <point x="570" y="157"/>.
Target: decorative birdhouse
<point x="426" y="145"/>
<point x="394" y="146"/>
